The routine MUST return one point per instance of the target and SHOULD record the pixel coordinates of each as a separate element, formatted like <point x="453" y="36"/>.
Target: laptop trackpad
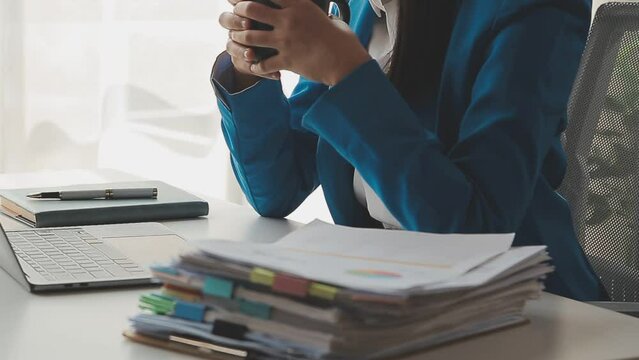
<point x="149" y="250"/>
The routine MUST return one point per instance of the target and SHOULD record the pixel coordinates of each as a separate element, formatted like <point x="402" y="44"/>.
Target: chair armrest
<point x="627" y="308"/>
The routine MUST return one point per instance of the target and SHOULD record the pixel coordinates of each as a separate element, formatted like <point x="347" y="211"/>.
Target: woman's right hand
<point x="242" y="57"/>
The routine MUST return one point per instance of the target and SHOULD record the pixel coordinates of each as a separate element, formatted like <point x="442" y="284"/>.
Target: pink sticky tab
<point x="290" y="285"/>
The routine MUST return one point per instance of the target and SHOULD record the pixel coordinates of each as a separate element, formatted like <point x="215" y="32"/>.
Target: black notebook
<point x="171" y="203"/>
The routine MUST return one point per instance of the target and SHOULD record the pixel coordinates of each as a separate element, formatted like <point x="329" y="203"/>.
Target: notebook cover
<point x="172" y="203"/>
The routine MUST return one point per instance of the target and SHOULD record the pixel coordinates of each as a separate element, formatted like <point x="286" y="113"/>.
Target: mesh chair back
<point x="602" y="146"/>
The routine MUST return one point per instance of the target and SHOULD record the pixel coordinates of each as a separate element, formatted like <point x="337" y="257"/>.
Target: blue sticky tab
<point x="164" y="269"/>
<point x="255" y="309"/>
<point x="189" y="311"/>
<point x="218" y="287"/>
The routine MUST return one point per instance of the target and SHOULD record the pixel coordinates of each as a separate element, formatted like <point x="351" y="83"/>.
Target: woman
<point x="432" y="115"/>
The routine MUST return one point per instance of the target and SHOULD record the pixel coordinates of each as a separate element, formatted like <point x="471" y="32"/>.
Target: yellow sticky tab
<point x="262" y="276"/>
<point x="323" y="291"/>
<point x="181" y="295"/>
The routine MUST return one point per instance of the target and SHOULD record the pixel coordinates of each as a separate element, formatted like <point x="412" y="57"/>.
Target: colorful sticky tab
<point x="255" y="309"/>
<point x="290" y="285"/>
<point x="157" y="303"/>
<point x="189" y="311"/>
<point x="181" y="294"/>
<point x="164" y="269"/>
<point x="323" y="291"/>
<point x="156" y="298"/>
<point x="218" y="287"/>
<point x="262" y="277"/>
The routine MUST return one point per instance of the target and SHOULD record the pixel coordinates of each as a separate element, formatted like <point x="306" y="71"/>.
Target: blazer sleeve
<point x="485" y="182"/>
<point x="272" y="156"/>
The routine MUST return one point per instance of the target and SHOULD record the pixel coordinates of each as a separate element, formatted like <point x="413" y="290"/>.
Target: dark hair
<point x="424" y="30"/>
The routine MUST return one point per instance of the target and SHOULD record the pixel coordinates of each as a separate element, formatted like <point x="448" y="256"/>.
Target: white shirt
<point x="384" y="30"/>
<point x="380" y="49"/>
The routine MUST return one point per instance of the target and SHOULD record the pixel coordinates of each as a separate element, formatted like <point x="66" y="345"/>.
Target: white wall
<point x="119" y="83"/>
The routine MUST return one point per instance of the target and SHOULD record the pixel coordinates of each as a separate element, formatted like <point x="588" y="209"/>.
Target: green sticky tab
<point x="323" y="291"/>
<point x="155" y="310"/>
<point x="262" y="276"/>
<point x="255" y="309"/>
<point x="218" y="287"/>
<point x="157" y="303"/>
<point x="157" y="299"/>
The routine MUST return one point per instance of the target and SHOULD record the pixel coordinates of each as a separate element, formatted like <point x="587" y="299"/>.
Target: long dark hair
<point x="424" y="30"/>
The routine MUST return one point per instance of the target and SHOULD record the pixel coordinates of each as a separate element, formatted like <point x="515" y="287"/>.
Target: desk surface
<point x="88" y="325"/>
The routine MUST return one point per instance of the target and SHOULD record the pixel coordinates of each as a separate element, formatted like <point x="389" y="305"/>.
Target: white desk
<point x="88" y="325"/>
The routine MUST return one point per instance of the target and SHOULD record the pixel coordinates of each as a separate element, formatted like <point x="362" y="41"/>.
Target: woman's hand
<point x="309" y="42"/>
<point x="242" y="56"/>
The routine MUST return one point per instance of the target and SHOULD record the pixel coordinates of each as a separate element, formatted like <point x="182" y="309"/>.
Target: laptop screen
<point x="9" y="261"/>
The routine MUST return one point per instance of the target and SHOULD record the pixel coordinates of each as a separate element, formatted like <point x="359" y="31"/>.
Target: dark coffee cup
<point x="326" y="5"/>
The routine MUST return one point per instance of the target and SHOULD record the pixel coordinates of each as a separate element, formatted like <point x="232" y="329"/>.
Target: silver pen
<point x="107" y="194"/>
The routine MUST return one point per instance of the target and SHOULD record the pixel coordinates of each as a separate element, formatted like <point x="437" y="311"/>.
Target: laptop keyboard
<point x="71" y="255"/>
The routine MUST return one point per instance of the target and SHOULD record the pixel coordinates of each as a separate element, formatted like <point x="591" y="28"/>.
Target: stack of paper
<point x="332" y="292"/>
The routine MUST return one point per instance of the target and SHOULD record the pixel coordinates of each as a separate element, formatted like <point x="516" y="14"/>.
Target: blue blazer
<point x="482" y="155"/>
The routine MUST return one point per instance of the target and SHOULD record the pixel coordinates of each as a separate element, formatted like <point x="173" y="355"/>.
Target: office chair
<point x="602" y="147"/>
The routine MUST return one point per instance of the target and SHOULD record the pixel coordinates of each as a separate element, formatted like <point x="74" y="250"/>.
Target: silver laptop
<point x="50" y="259"/>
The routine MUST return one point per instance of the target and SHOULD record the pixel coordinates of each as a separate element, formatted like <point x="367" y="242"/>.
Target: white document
<point x="373" y="260"/>
<point x="515" y="259"/>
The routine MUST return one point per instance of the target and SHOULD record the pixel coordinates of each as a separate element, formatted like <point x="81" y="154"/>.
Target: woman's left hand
<point x="308" y="41"/>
